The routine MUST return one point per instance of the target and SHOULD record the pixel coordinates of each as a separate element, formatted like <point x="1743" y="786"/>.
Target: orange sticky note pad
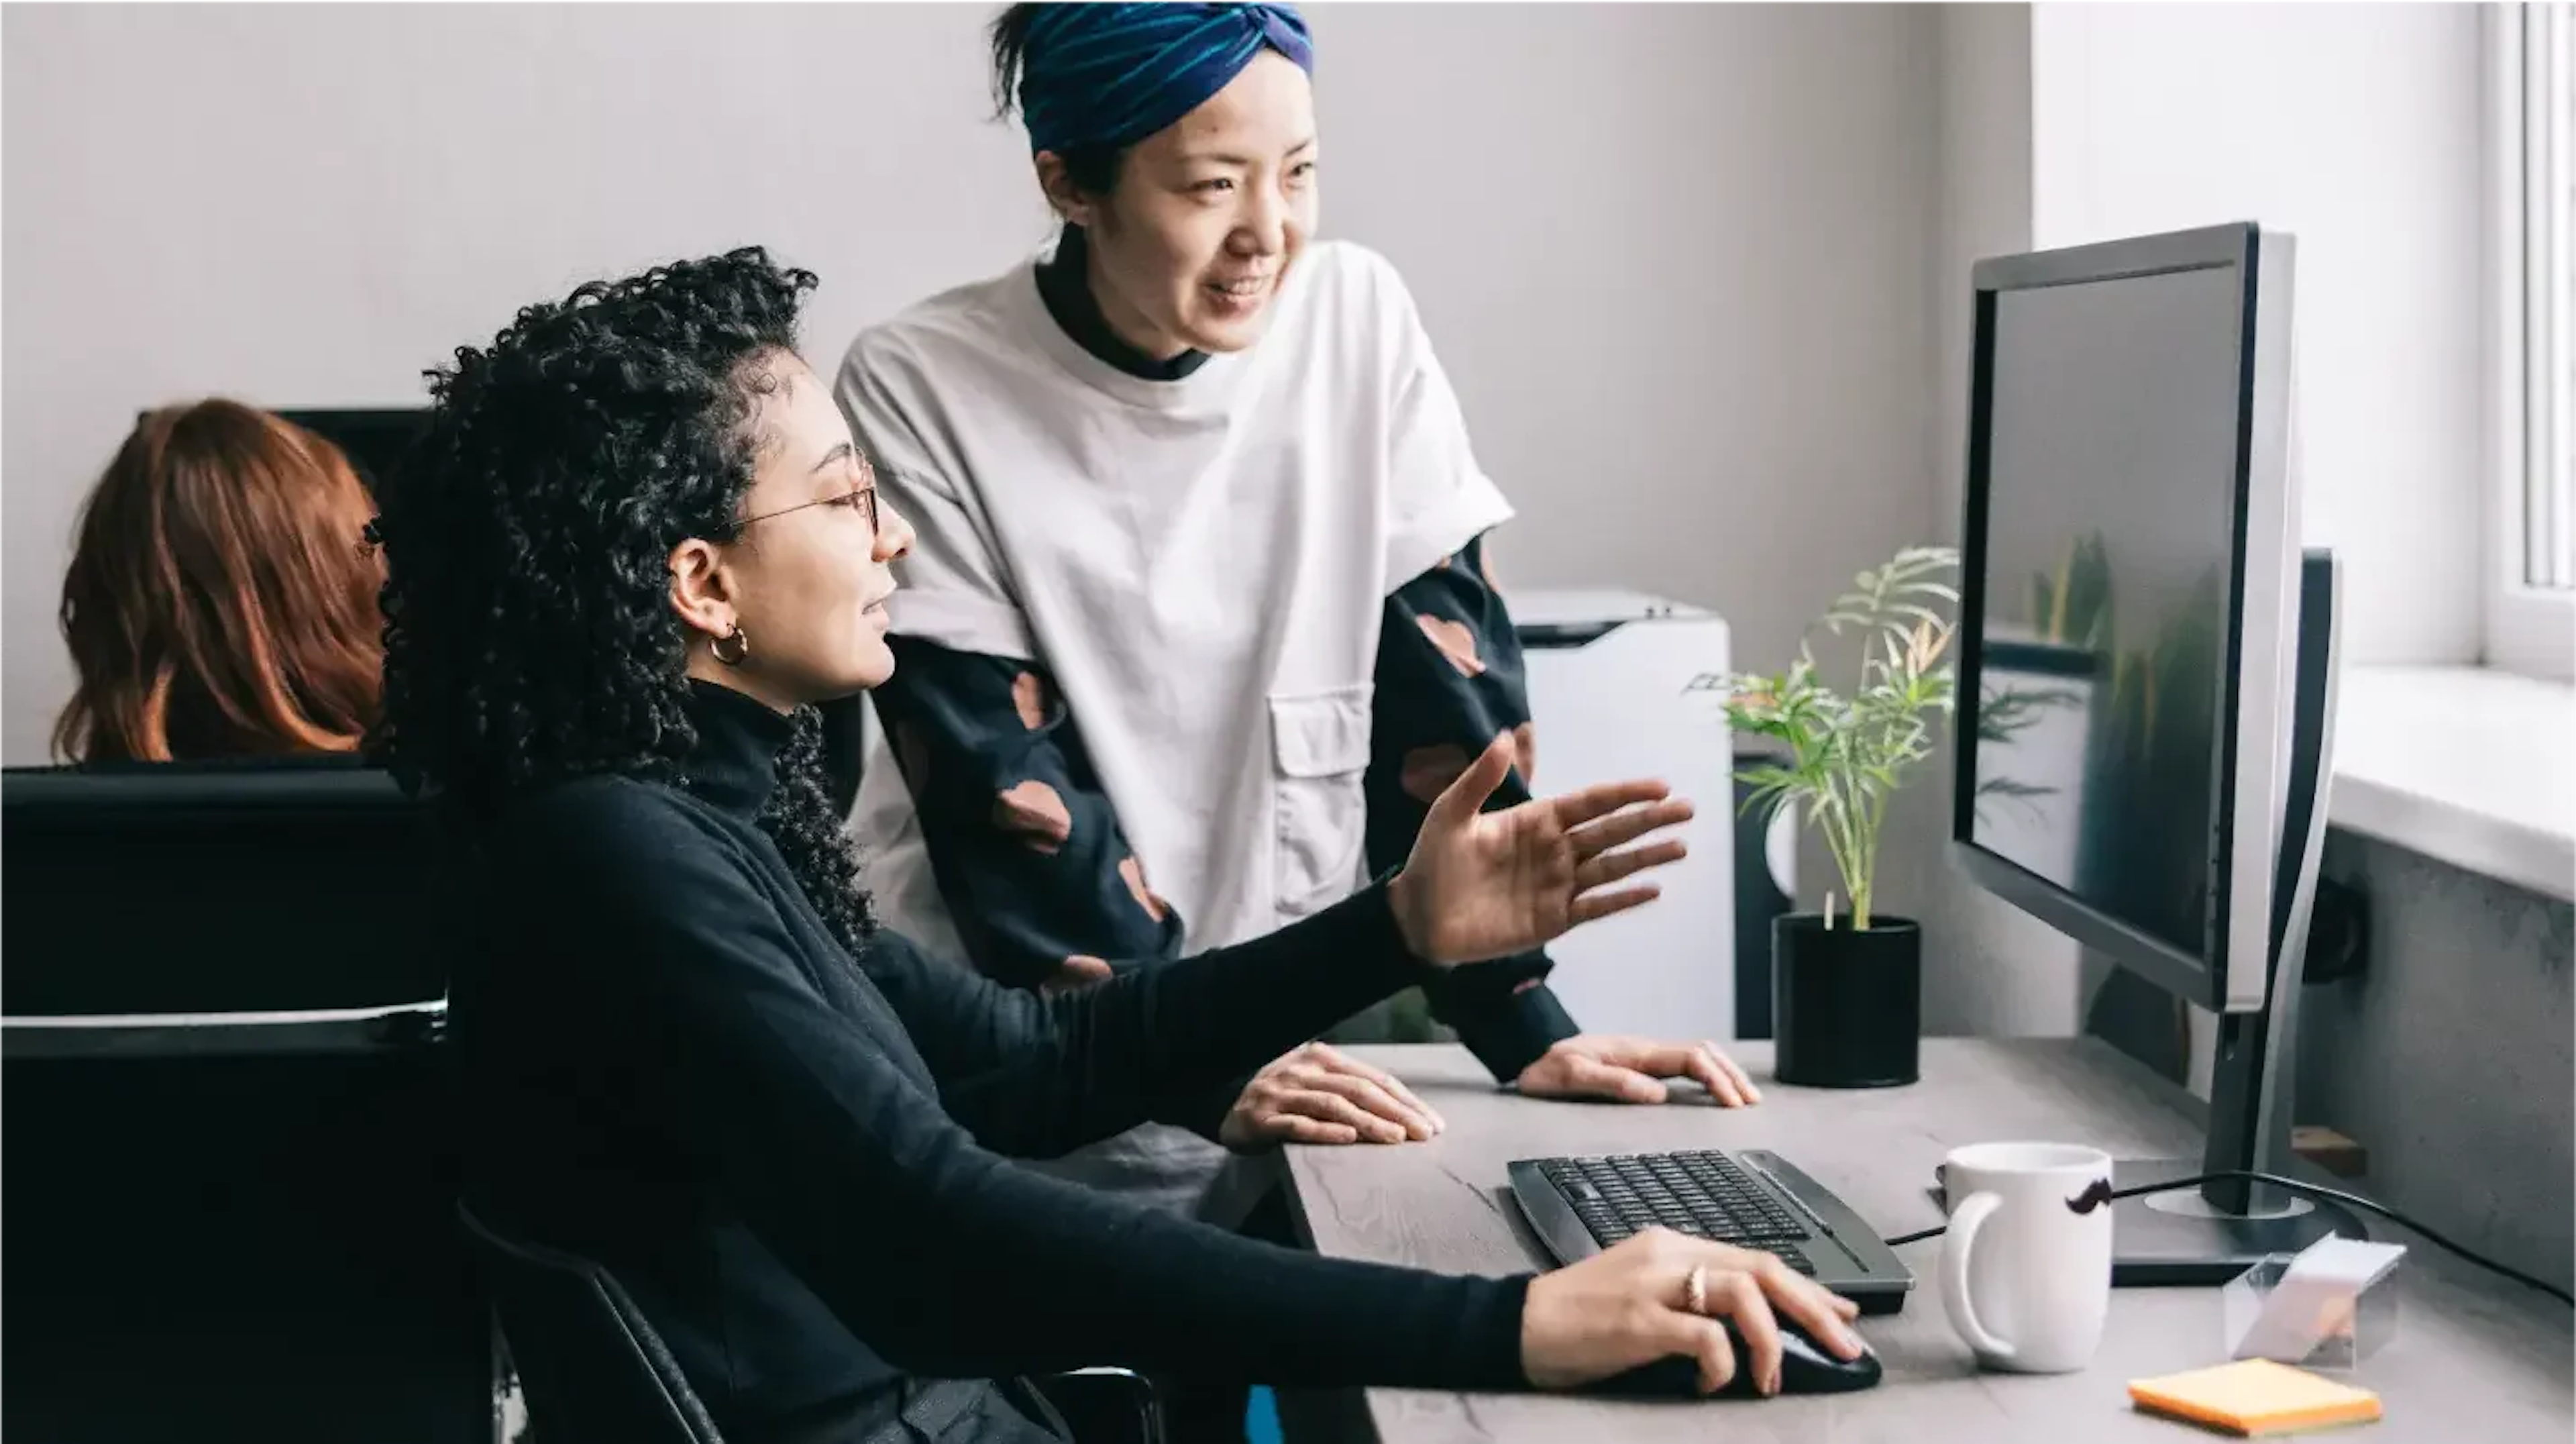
<point x="2255" y="1396"/>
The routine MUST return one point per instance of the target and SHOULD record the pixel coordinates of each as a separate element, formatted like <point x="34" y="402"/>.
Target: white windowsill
<point x="2469" y="766"/>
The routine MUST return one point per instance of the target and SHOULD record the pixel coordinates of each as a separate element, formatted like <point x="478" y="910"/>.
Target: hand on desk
<point x="1320" y="1094"/>
<point x="1482" y="885"/>
<point x="1661" y="1294"/>
<point x="1625" y="1069"/>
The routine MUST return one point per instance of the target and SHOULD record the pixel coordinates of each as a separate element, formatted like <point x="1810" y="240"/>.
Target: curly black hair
<point x="528" y="632"/>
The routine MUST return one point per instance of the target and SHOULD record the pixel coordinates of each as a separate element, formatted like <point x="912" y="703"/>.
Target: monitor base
<point x="2176" y="1239"/>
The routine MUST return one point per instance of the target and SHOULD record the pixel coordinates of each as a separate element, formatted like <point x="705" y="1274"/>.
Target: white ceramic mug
<point x="2026" y="1263"/>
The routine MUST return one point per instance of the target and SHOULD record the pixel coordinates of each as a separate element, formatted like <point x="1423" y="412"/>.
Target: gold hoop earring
<point x="732" y="647"/>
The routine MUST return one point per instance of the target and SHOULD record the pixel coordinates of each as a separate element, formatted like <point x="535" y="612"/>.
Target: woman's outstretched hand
<point x="1483" y="885"/>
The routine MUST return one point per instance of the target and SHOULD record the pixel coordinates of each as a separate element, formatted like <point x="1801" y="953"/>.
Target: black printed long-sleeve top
<point x="1165" y="678"/>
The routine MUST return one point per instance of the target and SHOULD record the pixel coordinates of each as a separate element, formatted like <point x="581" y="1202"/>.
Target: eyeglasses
<point x="863" y="497"/>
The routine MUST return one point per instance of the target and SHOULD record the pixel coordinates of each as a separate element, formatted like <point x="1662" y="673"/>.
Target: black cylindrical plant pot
<point x="1846" y="1006"/>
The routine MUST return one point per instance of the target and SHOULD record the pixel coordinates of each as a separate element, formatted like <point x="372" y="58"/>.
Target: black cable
<point x="2310" y="1190"/>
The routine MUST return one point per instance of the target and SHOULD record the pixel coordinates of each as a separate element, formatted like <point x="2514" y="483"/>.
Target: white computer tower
<point x="1609" y="685"/>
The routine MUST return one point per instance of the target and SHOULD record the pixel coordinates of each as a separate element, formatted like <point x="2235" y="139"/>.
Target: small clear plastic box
<point x="2342" y="1328"/>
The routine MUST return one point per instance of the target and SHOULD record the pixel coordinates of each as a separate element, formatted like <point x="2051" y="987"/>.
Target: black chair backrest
<point x="591" y="1367"/>
<point x="231" y="1178"/>
<point x="200" y="888"/>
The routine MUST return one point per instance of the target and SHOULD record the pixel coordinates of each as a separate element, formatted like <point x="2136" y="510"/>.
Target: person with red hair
<point x="221" y="600"/>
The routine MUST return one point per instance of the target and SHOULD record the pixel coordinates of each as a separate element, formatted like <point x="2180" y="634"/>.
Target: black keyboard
<point x="1755" y="1199"/>
<point x="1707" y="1195"/>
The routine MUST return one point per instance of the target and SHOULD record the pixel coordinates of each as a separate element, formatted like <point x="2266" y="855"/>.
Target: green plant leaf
<point x="1849" y="752"/>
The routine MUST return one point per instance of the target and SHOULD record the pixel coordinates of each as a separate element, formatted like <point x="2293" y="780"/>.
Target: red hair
<point x="221" y="600"/>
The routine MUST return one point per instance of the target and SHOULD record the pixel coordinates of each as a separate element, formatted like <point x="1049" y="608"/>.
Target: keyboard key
<point x="1702" y="1194"/>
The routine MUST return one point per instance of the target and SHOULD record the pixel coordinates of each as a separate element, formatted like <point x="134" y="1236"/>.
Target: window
<point x="2531" y="612"/>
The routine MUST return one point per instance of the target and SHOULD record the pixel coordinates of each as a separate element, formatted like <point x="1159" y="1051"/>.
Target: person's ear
<point x="1071" y="203"/>
<point x="701" y="592"/>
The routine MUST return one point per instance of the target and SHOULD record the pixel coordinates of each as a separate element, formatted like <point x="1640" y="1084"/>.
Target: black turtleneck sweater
<point x="796" y="1161"/>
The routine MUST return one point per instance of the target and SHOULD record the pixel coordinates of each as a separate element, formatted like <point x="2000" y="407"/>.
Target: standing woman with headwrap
<point x="1198" y="622"/>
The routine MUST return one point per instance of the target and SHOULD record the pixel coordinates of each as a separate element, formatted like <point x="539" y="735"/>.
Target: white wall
<point x="309" y="204"/>
<point x="1672" y="254"/>
<point x="2357" y="127"/>
<point x="1990" y="969"/>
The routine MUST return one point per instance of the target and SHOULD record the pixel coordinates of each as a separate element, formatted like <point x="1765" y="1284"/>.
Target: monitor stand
<point x="2181" y="1238"/>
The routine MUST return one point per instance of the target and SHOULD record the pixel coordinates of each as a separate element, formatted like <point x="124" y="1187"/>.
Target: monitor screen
<point x="375" y="441"/>
<point x="2112" y="476"/>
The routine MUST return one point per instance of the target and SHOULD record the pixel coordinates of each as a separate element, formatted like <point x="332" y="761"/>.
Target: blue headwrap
<point x="1109" y="75"/>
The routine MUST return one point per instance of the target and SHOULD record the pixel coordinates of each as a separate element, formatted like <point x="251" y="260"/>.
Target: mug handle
<point x="1955" y="1243"/>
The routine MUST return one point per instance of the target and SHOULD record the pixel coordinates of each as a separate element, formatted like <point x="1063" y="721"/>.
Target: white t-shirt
<point x="1201" y="564"/>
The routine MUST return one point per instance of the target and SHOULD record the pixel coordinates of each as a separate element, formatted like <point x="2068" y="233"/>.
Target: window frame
<point x="2528" y="629"/>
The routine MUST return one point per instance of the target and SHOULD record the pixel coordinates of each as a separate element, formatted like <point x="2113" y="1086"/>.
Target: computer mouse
<point x="1805" y="1368"/>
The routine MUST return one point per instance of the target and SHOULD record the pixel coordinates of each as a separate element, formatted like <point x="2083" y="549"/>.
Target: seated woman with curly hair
<point x="638" y="545"/>
<point x="219" y="603"/>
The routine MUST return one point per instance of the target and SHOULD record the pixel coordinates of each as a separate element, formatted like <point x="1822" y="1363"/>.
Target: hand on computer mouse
<point x="1661" y="1294"/>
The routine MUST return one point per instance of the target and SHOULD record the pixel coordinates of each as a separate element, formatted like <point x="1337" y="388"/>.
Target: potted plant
<point x="1847" y="984"/>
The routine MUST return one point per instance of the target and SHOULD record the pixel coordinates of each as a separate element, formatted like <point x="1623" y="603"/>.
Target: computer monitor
<point x="376" y="441"/>
<point x="2146" y="673"/>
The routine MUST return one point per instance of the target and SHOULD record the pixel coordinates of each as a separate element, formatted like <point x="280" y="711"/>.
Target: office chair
<point x="592" y="1367"/>
<point x="229" y="1173"/>
<point x="1104" y="1403"/>
<point x="590" y="1364"/>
